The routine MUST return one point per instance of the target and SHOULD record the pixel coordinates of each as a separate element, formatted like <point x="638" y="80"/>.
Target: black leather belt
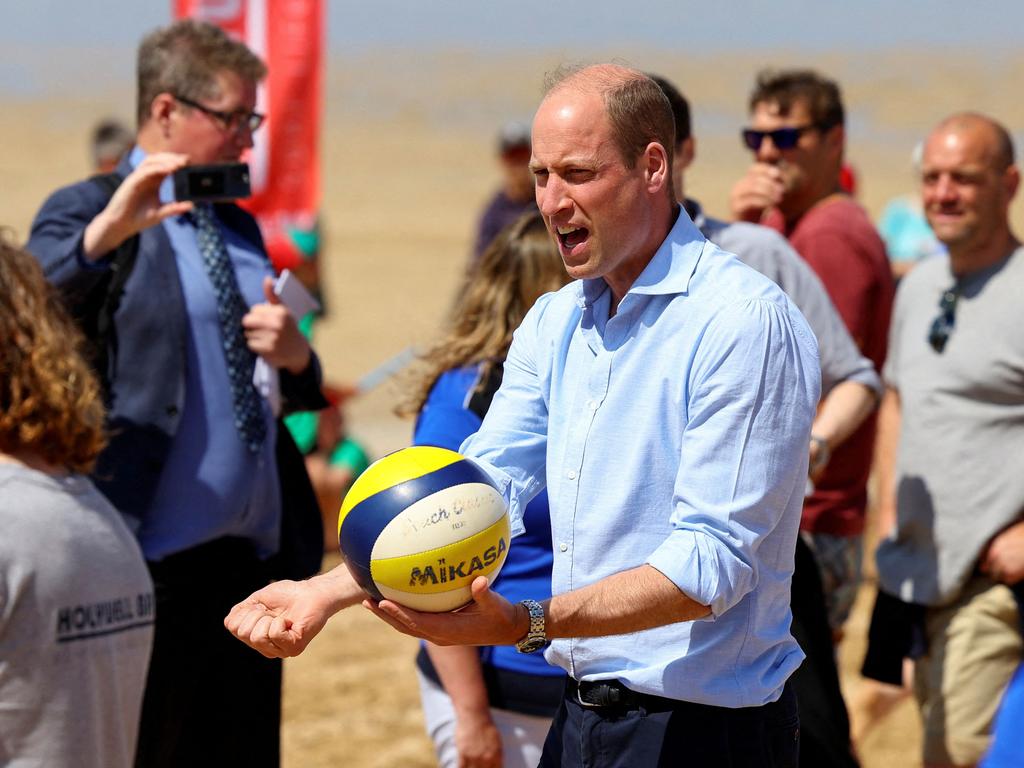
<point x="613" y="694"/>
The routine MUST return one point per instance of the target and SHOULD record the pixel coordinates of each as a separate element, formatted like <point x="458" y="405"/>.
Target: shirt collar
<point x="669" y="270"/>
<point x="136" y="156"/>
<point x="696" y="213"/>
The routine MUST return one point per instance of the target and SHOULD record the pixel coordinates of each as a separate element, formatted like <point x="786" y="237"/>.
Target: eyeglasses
<point x="942" y="326"/>
<point x="230" y="121"/>
<point x="782" y="138"/>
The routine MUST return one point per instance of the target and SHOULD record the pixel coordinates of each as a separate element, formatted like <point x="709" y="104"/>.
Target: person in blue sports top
<point x="489" y="706"/>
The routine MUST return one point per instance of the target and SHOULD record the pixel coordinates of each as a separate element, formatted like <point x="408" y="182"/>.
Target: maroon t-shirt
<point x="838" y="240"/>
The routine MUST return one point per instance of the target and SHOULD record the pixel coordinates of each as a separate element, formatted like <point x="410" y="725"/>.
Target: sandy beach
<point x="407" y="164"/>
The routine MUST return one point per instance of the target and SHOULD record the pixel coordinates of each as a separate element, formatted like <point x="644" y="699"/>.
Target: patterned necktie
<point x="231" y="307"/>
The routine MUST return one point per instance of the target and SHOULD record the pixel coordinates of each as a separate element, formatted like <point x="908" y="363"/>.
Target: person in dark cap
<point x="515" y="197"/>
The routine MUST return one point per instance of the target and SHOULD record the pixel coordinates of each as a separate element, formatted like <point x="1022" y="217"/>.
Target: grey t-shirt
<point x="771" y="254"/>
<point x="76" y="625"/>
<point x="960" y="461"/>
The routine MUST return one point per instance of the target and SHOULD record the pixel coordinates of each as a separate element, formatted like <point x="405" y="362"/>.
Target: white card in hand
<point x="294" y="295"/>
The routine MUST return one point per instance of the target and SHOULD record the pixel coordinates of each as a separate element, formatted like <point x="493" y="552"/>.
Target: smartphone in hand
<point x="212" y="183"/>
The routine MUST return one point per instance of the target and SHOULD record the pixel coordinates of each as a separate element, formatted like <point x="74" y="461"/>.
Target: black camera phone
<point x="212" y="183"/>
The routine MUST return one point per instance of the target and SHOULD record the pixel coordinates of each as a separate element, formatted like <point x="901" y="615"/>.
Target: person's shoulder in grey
<point x="928" y="272"/>
<point x="770" y="254"/>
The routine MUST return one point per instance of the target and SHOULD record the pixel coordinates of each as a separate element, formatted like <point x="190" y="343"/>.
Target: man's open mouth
<point x="570" y="237"/>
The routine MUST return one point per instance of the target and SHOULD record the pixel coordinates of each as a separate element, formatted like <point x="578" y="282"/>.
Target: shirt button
<point x="564" y="547"/>
<point x="571" y="474"/>
<point x="592" y="405"/>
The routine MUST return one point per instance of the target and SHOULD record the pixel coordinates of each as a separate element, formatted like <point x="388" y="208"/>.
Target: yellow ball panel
<point x="443" y="570"/>
<point x="395" y="468"/>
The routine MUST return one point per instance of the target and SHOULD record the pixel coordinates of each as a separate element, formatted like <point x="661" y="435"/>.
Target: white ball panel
<point x="439" y="520"/>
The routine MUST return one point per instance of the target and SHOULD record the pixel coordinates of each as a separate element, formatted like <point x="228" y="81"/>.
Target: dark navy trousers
<point x="654" y="731"/>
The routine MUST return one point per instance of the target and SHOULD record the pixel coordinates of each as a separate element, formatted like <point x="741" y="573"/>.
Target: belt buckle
<point x="579" y="698"/>
<point x="612" y="696"/>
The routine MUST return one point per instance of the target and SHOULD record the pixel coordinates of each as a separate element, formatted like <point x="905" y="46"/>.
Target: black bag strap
<point x="97" y="313"/>
<point x="488" y="383"/>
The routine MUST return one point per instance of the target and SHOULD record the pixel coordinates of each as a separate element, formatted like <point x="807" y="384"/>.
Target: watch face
<point x="531" y="644"/>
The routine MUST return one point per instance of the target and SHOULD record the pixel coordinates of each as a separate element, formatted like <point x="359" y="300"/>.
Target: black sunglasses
<point x="231" y="121"/>
<point x="942" y="326"/>
<point x="782" y="138"/>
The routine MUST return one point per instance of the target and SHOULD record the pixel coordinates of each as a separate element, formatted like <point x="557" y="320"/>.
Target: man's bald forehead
<point x="637" y="109"/>
<point x="595" y="78"/>
<point x="997" y="139"/>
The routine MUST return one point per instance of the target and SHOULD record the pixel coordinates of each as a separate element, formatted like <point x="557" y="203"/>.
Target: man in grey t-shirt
<point x="951" y="468"/>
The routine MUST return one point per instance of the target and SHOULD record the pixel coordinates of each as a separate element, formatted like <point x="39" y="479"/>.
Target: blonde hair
<point x="50" y="401"/>
<point x="520" y="265"/>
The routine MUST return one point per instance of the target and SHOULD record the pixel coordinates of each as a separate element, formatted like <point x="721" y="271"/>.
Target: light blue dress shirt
<point x="212" y="485"/>
<point x="675" y="434"/>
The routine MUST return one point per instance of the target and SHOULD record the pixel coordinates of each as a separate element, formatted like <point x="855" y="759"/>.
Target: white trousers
<point x="522" y="736"/>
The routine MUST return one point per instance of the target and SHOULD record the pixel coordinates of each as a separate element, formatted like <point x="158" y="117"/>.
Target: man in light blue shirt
<point x="665" y="401"/>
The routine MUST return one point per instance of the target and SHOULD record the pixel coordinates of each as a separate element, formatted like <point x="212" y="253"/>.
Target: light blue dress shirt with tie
<point x="212" y="485"/>
<point x="674" y="433"/>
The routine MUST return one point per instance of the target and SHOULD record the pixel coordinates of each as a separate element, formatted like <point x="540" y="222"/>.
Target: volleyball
<point x="419" y="525"/>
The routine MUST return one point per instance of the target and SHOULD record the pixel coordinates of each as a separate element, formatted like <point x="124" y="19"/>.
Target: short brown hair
<point x="787" y="87"/>
<point x="185" y="58"/>
<point x="50" y="401"/>
<point x="637" y="108"/>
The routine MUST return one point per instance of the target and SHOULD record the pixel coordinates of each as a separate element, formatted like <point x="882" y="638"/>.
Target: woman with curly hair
<point x="76" y="600"/>
<point x="489" y="707"/>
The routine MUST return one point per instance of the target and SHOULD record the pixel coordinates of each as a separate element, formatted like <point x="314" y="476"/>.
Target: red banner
<point x="284" y="164"/>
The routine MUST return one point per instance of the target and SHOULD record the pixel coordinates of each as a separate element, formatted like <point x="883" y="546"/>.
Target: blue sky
<point x="40" y="37"/>
<point x="805" y="24"/>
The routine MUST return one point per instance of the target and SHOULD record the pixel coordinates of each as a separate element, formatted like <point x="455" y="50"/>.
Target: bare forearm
<point x="842" y="411"/>
<point x="101" y="237"/>
<point x="886" y="444"/>
<point x="339" y="589"/>
<point x="634" y="600"/>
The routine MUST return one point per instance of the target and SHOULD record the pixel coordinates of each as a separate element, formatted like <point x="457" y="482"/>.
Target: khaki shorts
<point x="974" y="647"/>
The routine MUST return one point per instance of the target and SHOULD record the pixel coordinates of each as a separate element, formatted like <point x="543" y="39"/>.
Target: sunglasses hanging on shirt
<point x="942" y="326"/>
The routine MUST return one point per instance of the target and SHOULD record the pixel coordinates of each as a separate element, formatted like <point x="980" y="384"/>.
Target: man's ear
<point x="1011" y="181"/>
<point x="835" y="138"/>
<point x="656" y="167"/>
<point x="161" y="109"/>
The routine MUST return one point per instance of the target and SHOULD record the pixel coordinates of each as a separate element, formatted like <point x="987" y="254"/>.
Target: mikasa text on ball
<point x="419" y="525"/>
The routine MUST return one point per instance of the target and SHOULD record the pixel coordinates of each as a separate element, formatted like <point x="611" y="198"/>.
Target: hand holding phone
<point x="212" y="183"/>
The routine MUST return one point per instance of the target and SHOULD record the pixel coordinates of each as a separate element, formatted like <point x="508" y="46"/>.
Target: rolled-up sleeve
<point x="511" y="444"/>
<point x="750" y="400"/>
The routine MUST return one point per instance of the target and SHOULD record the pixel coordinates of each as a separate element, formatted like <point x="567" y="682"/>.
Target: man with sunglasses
<point x="951" y="468"/>
<point x="797" y="136"/>
<point x="196" y="461"/>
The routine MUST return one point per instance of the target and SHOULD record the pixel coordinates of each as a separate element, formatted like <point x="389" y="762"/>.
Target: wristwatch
<point x="535" y="638"/>
<point x="824" y="453"/>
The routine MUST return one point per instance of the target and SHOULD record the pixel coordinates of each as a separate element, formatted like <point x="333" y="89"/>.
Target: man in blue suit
<point x="196" y="461"/>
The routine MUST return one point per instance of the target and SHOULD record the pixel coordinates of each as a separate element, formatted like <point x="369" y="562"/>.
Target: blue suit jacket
<point x="146" y="352"/>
